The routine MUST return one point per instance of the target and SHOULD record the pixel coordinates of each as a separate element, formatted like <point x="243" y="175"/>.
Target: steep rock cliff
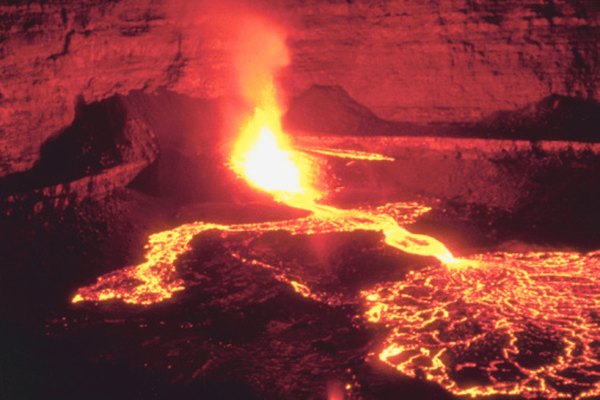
<point x="411" y="61"/>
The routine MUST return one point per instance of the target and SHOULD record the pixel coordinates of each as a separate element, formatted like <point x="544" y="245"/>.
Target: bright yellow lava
<point x="523" y="324"/>
<point x="467" y="324"/>
<point x="156" y="279"/>
<point x="263" y="156"/>
<point x="349" y="154"/>
<point x="269" y="167"/>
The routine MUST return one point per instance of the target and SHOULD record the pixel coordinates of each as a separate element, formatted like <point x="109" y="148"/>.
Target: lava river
<point x="498" y="323"/>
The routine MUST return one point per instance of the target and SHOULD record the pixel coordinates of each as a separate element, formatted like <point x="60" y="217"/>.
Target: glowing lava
<point x="348" y="154"/>
<point x="263" y="156"/>
<point x="504" y="323"/>
<point x="471" y="325"/>
<point x="156" y="279"/>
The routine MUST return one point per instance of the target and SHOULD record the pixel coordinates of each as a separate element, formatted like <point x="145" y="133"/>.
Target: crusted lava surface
<point x="237" y="330"/>
<point x="240" y="328"/>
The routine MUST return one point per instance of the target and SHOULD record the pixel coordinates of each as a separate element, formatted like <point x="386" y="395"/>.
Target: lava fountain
<point x="442" y="318"/>
<point x="263" y="156"/>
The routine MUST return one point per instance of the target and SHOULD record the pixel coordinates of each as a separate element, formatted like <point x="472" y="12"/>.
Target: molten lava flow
<point x="263" y="156"/>
<point x="349" y="154"/>
<point x="503" y="323"/>
<point x="156" y="279"/>
<point x="471" y="325"/>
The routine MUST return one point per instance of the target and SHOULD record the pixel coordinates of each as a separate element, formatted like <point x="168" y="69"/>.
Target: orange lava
<point x="501" y="323"/>
<point x="263" y="156"/>
<point x="156" y="279"/>
<point x="467" y="324"/>
<point x="348" y="154"/>
<point x="497" y="323"/>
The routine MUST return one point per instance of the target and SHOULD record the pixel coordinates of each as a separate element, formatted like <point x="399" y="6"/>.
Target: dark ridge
<point x="331" y="110"/>
<point x="190" y="133"/>
<point x="93" y="142"/>
<point x="554" y="117"/>
<point x="177" y="120"/>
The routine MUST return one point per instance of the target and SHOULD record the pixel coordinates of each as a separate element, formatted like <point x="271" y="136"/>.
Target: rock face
<point x="52" y="54"/>
<point x="104" y="148"/>
<point x="330" y="110"/>
<point x="405" y="60"/>
<point x="554" y="117"/>
<point x="448" y="61"/>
